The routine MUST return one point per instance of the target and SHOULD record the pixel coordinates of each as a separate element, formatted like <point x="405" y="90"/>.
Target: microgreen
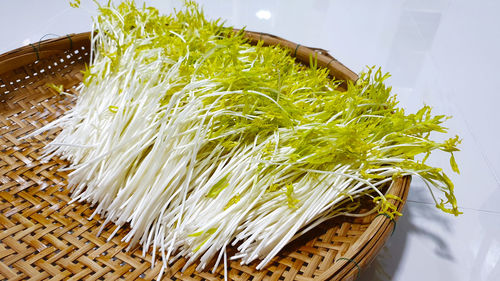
<point x="199" y="140"/>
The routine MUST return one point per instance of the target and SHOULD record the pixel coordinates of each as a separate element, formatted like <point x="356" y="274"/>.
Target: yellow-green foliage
<point x="362" y="127"/>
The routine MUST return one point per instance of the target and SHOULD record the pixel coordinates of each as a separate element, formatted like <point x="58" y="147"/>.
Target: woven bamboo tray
<point x="44" y="237"/>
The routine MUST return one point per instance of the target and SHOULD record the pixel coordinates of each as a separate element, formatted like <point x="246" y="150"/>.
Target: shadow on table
<point x="386" y="264"/>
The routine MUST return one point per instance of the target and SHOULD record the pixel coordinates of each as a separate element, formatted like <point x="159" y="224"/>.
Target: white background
<point x="444" y="53"/>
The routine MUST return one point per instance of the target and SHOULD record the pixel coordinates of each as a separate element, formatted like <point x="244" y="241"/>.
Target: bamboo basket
<point x="44" y="237"/>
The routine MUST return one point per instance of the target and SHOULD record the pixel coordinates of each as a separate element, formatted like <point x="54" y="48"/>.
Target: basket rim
<point x="46" y="48"/>
<point x="362" y="252"/>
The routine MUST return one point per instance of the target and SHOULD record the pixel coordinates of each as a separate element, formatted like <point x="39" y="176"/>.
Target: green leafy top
<point x="305" y="119"/>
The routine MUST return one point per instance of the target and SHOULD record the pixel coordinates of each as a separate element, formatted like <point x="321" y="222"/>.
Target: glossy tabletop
<point x="443" y="53"/>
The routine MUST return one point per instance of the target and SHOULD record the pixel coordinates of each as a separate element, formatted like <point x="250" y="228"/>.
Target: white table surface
<point x="444" y="53"/>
